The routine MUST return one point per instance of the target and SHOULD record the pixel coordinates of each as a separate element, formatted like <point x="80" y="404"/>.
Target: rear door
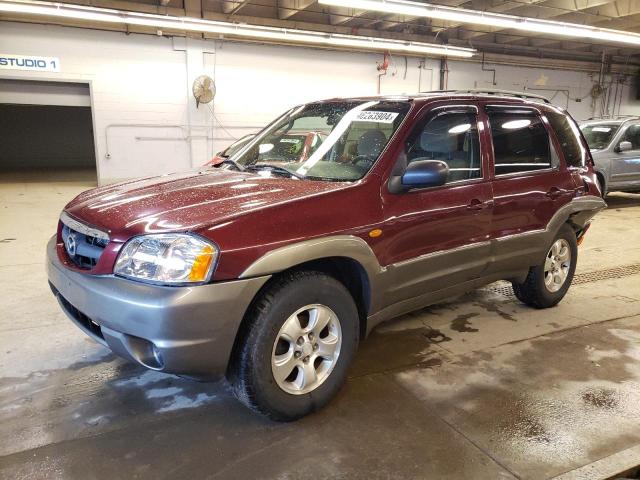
<point x="438" y="237"/>
<point x="530" y="184"/>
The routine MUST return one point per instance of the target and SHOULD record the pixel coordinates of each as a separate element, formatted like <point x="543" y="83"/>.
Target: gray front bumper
<point x="183" y="330"/>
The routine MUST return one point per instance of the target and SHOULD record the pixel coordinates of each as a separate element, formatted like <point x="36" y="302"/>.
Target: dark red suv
<point x="269" y="269"/>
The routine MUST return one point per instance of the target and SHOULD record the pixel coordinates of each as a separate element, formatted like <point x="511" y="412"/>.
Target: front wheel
<point x="301" y="336"/>
<point x="547" y="283"/>
<point x="601" y="185"/>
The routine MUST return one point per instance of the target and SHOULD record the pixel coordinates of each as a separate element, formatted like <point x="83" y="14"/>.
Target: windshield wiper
<point x="274" y="169"/>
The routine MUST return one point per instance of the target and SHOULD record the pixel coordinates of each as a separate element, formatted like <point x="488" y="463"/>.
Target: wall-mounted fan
<point x="204" y="89"/>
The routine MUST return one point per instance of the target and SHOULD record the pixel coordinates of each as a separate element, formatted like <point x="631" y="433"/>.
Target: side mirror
<point x="420" y="174"/>
<point x="624" y="146"/>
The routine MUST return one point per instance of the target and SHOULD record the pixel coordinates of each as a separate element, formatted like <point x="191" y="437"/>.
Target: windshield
<point x="325" y="141"/>
<point x="599" y="135"/>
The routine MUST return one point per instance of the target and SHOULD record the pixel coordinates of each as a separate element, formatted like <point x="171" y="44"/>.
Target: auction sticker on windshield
<point x="380" y="117"/>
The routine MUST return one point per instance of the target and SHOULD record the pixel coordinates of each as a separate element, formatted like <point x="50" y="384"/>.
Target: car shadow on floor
<point x="616" y="200"/>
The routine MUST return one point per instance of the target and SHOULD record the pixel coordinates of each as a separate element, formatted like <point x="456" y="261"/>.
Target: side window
<point x="451" y="137"/>
<point x="633" y="135"/>
<point x="569" y="137"/>
<point x="520" y="142"/>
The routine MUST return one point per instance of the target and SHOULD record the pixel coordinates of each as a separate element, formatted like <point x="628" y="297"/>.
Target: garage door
<point x="46" y="126"/>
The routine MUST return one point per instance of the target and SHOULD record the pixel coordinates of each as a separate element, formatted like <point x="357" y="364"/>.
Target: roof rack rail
<point x="509" y="93"/>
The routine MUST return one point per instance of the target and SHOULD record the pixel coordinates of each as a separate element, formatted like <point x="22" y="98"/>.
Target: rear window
<point x="569" y="137"/>
<point x="520" y="142"/>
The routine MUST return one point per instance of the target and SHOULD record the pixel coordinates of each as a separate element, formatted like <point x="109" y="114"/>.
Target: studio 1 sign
<point x="29" y="62"/>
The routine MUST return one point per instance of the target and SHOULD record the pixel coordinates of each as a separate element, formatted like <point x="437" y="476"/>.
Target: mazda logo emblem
<point x="70" y="244"/>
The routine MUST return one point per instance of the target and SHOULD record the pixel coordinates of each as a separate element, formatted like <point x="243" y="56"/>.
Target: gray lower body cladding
<point x="182" y="330"/>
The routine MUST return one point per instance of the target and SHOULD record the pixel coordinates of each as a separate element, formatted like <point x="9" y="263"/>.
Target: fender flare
<point x="346" y="246"/>
<point x="579" y="212"/>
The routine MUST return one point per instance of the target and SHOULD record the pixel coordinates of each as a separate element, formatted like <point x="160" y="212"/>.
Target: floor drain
<point x="615" y="272"/>
<point x="504" y="288"/>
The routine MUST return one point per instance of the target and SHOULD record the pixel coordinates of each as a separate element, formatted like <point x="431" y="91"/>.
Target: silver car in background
<point x="615" y="147"/>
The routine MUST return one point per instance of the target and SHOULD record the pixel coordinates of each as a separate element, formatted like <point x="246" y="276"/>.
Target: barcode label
<point x="380" y="117"/>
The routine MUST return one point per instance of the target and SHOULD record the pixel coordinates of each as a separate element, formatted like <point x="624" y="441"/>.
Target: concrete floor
<point x="478" y="387"/>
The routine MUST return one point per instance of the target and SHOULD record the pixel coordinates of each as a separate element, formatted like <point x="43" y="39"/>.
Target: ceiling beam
<point x="288" y="8"/>
<point x="342" y="15"/>
<point x="231" y="8"/>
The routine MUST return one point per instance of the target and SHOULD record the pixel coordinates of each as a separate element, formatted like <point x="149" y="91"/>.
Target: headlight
<point x="170" y="258"/>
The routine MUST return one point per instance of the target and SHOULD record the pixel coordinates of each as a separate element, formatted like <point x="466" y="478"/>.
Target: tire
<point x="542" y="290"/>
<point x="257" y="371"/>
<point x="601" y="185"/>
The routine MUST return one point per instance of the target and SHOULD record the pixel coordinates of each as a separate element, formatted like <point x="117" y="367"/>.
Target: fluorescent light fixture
<point x="516" y="124"/>
<point x="165" y="22"/>
<point x="463" y="127"/>
<point x="461" y="15"/>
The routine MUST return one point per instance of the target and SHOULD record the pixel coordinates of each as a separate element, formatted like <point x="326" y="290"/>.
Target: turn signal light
<point x="201" y="264"/>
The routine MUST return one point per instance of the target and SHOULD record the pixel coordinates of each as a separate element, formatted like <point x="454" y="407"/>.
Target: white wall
<point x="570" y="90"/>
<point x="45" y="93"/>
<point x="146" y="80"/>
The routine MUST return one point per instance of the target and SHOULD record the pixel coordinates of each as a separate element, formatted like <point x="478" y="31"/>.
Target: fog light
<point x="144" y="352"/>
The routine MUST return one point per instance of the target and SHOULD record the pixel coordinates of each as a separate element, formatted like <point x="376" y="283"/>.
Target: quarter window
<point x="568" y="135"/>
<point x="520" y="142"/>
<point x="451" y="137"/>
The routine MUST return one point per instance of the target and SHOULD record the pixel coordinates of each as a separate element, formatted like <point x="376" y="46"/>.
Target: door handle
<point x="477" y="204"/>
<point x="553" y="193"/>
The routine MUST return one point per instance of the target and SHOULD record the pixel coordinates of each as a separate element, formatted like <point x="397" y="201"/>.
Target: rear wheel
<point x="547" y="283"/>
<point x="297" y="347"/>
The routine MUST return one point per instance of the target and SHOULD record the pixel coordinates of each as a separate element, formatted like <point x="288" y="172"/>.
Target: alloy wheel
<point x="306" y="349"/>
<point x="557" y="265"/>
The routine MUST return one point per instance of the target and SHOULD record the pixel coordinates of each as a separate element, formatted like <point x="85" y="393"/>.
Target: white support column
<point x="198" y="118"/>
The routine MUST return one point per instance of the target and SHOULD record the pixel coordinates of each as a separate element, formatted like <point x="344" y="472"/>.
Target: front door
<point x="438" y="237"/>
<point x="625" y="166"/>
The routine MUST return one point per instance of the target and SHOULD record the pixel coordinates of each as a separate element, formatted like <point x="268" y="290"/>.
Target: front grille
<point x="91" y="327"/>
<point x="83" y="245"/>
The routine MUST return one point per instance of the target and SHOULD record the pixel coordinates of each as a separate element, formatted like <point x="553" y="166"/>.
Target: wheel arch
<point x="292" y="255"/>
<point x="348" y="259"/>
<point x="347" y="270"/>
<point x="577" y="214"/>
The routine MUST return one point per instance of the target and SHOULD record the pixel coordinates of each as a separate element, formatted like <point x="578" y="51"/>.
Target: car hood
<point x="186" y="201"/>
